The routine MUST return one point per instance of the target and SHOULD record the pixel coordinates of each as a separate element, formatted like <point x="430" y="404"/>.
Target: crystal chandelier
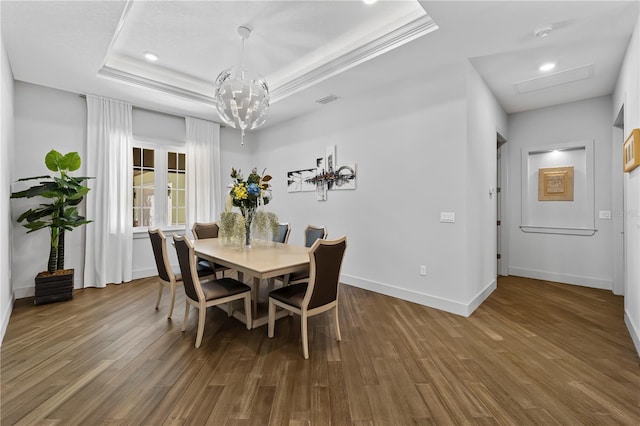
<point x="242" y="98"/>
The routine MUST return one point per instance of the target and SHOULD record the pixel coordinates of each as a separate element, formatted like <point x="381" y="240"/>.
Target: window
<point x="176" y="178"/>
<point x="143" y="187"/>
<point x="155" y="167"/>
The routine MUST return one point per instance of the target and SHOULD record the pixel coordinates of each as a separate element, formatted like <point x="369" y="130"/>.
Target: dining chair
<point x="283" y="233"/>
<point x="209" y="293"/>
<point x="316" y="296"/>
<point x="202" y="230"/>
<point x="311" y="234"/>
<point x="167" y="277"/>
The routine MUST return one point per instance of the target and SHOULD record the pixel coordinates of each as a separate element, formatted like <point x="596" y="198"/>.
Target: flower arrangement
<point x="247" y="195"/>
<point x="250" y="193"/>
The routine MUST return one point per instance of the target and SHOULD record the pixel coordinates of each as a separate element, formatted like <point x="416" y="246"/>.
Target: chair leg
<point x="186" y="315"/>
<point x="159" y="295"/>
<point x="247" y="310"/>
<point x="272" y="318"/>
<point x="202" y="314"/>
<point x="338" y="337"/>
<point x="173" y="299"/>
<point x="305" y="338"/>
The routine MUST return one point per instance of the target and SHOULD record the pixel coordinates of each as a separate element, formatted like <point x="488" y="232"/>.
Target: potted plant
<point x="65" y="192"/>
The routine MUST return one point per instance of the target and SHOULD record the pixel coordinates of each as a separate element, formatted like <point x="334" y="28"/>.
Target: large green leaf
<point x="33" y="215"/>
<point x="34" y="178"/>
<point x="70" y="161"/>
<point x="52" y="160"/>
<point x="35" y="226"/>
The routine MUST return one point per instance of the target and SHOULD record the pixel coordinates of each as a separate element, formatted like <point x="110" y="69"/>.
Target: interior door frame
<point x="618" y="183"/>
<point x="502" y="193"/>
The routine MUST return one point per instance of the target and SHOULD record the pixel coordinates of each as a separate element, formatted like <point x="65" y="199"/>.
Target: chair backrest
<point x="326" y="260"/>
<point x="205" y="230"/>
<point x="159" y="245"/>
<point x="313" y="233"/>
<point x="283" y="233"/>
<point x="187" y="261"/>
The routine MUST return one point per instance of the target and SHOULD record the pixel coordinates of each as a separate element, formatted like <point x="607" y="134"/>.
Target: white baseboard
<point x="633" y="332"/>
<point x="481" y="297"/>
<point x="5" y="320"/>
<point x="562" y="278"/>
<point x="452" y="306"/>
<point x="22" y="292"/>
<point x="144" y="273"/>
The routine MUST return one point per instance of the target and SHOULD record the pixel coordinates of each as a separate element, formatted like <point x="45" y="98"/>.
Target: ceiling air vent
<point x="327" y="99"/>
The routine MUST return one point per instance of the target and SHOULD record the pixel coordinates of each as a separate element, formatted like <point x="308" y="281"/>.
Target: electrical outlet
<point x="605" y="214"/>
<point x="423" y="270"/>
<point x="447" y="217"/>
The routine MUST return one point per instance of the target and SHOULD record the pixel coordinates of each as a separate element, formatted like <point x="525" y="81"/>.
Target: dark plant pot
<point x="54" y="287"/>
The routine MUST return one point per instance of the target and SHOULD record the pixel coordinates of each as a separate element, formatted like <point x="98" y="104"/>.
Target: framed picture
<point x="555" y="184"/>
<point x="301" y="180"/>
<point x="345" y="177"/>
<point x="631" y="151"/>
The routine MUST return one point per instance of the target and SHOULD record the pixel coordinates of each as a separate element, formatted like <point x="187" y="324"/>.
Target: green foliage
<point x="266" y="225"/>
<point x="231" y="228"/>
<point x="61" y="213"/>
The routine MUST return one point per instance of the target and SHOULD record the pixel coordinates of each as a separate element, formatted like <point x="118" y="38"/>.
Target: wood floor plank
<point x="534" y="353"/>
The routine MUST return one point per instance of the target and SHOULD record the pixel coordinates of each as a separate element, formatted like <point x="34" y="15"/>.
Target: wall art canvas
<point x="326" y="176"/>
<point x="321" y="184"/>
<point x="330" y="164"/>
<point x="631" y="151"/>
<point x="301" y="180"/>
<point x="555" y="184"/>
<point x="345" y="177"/>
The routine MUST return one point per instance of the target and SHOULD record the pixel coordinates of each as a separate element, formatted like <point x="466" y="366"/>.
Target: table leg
<point x="256" y="294"/>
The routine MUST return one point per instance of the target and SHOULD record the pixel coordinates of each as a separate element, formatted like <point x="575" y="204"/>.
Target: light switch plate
<point x="605" y="214"/>
<point x="447" y="217"/>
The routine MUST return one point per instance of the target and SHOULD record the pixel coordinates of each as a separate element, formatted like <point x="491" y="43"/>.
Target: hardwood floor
<point x="533" y="353"/>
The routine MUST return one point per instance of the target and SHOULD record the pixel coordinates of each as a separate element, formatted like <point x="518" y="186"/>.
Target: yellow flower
<point x="240" y="192"/>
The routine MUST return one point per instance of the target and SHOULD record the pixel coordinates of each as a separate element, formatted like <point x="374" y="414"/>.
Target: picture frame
<point x="631" y="151"/>
<point x="555" y="184"/>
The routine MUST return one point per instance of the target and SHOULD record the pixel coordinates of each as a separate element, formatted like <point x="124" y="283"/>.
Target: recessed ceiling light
<point x="547" y="67"/>
<point x="369" y="1"/>
<point x="150" y="56"/>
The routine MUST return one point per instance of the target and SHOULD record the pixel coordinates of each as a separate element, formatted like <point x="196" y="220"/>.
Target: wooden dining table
<point x="262" y="261"/>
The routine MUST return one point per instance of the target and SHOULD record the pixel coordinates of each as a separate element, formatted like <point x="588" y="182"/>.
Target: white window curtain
<point x="203" y="171"/>
<point x="109" y="243"/>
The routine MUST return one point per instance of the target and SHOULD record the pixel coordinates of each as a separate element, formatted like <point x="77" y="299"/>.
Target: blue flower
<point x="253" y="189"/>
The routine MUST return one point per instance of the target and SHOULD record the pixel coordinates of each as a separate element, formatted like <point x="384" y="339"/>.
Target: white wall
<point x="6" y="177"/>
<point x="45" y="119"/>
<point x="409" y="141"/>
<point x="581" y="260"/>
<point x="627" y="93"/>
<point x="485" y="118"/>
<point x="53" y="119"/>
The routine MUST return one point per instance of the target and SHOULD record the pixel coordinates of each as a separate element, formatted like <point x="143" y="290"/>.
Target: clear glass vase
<point x="248" y="213"/>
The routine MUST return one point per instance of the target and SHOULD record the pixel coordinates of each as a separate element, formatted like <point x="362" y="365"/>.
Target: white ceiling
<point x="309" y="49"/>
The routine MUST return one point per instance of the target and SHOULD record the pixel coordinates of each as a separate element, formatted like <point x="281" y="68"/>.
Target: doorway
<point x="618" y="206"/>
<point x="502" y="265"/>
